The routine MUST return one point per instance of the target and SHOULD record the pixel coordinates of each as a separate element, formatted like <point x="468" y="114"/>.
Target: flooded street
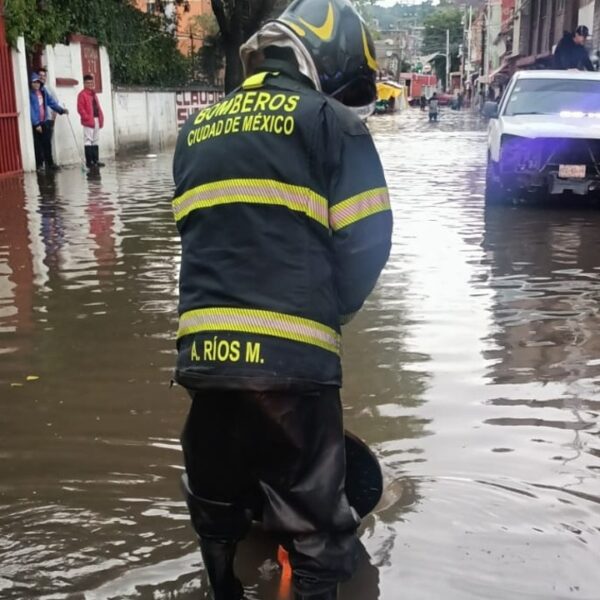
<point x="473" y="372"/>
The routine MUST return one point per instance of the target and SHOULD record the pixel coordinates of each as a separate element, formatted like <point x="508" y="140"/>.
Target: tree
<point x="238" y="20"/>
<point x="445" y="17"/>
<point x="141" y="52"/>
<point x="210" y="55"/>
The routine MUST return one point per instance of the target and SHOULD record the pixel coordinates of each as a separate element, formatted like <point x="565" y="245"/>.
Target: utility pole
<point x="192" y="53"/>
<point x="486" y="54"/>
<point x="469" y="43"/>
<point x="447" y="60"/>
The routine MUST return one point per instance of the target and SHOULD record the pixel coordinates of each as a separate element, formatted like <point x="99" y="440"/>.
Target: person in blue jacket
<point x="40" y="102"/>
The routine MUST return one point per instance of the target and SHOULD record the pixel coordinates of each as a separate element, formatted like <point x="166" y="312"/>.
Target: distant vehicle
<point x="444" y="99"/>
<point x="390" y="95"/>
<point x="544" y="136"/>
<point x="418" y="84"/>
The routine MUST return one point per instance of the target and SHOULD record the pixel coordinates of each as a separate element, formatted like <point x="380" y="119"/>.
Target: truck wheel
<point x="495" y="192"/>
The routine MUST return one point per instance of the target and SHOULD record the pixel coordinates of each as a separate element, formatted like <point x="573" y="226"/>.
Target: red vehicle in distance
<point x="418" y="84"/>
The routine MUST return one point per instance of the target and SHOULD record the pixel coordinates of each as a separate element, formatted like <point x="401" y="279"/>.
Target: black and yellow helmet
<point x="340" y="45"/>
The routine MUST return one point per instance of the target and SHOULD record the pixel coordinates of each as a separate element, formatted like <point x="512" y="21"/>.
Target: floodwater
<point x="473" y="372"/>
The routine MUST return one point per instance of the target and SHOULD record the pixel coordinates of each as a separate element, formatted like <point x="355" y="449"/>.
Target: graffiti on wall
<point x="190" y="101"/>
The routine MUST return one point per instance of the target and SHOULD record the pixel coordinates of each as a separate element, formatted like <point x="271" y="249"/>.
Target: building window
<point x="151" y="7"/>
<point x="561" y="6"/>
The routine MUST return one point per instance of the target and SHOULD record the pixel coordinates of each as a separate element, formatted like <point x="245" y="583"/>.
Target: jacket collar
<point x="274" y="65"/>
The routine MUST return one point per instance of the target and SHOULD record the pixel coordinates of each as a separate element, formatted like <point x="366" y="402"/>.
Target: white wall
<point x="517" y="28"/>
<point x="150" y="119"/>
<point x="162" y="122"/>
<point x="495" y="25"/>
<point x="65" y="61"/>
<point x="586" y="16"/>
<point x="130" y="110"/>
<point x="21" y="78"/>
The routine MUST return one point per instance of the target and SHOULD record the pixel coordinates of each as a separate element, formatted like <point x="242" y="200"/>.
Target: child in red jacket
<point x="92" y="119"/>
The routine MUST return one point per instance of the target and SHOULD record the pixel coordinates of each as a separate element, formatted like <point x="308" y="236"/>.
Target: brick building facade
<point x="185" y="14"/>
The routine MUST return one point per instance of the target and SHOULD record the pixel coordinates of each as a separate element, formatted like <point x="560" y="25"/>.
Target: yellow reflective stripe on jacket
<point x="253" y="191"/>
<point x="262" y="322"/>
<point x="359" y="207"/>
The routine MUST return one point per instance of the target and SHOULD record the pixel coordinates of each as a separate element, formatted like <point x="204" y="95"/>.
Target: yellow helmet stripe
<point x="370" y="60"/>
<point x="295" y="28"/>
<point x="325" y="31"/>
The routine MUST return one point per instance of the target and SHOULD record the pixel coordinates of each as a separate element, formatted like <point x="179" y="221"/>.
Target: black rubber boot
<point x="89" y="156"/>
<point x="218" y="558"/>
<point x="218" y="527"/>
<point x="96" y="154"/>
<point x="329" y="594"/>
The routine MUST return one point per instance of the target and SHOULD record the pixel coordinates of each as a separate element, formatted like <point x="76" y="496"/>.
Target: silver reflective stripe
<point x="359" y="207"/>
<point x="253" y="191"/>
<point x="261" y="322"/>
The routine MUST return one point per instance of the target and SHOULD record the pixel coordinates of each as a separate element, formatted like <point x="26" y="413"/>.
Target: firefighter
<point x="285" y="223"/>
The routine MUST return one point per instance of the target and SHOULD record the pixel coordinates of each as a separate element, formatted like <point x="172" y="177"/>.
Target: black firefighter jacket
<point x="285" y="224"/>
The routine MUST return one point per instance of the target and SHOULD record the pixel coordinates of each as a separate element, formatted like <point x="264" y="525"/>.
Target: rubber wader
<point x="364" y="487"/>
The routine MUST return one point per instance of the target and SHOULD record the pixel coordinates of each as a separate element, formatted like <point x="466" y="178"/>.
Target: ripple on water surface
<point x="472" y="371"/>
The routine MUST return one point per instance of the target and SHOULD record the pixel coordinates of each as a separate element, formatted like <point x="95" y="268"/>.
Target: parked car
<point x="444" y="99"/>
<point x="544" y="136"/>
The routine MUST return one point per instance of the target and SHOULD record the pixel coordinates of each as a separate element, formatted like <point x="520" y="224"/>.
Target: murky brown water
<point x="473" y="372"/>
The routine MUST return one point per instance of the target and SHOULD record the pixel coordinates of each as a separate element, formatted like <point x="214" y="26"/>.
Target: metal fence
<point x="10" y="151"/>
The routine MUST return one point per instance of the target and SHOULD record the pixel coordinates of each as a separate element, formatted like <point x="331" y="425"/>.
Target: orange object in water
<point x="285" y="582"/>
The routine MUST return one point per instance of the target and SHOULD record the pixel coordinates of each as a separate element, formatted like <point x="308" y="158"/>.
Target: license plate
<point x="571" y="171"/>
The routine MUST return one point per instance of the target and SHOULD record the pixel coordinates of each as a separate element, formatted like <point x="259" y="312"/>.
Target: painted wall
<point x="151" y="119"/>
<point x="21" y="78"/>
<point x="587" y="10"/>
<point x="130" y="109"/>
<point x="144" y="119"/>
<point x="494" y="27"/>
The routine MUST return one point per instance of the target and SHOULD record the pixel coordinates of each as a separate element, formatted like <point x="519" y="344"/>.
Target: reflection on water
<point x="472" y="371"/>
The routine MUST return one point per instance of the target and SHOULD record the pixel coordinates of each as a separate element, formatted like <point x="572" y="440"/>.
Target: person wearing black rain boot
<point x="96" y="156"/>
<point x="89" y="157"/>
<point x="92" y="120"/>
<point x="217" y="542"/>
<point x="285" y="224"/>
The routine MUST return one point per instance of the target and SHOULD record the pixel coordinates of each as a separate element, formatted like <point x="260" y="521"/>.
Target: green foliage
<point x="210" y="58"/>
<point x="436" y="24"/>
<point x="24" y="16"/>
<point x="445" y="17"/>
<point x="141" y="52"/>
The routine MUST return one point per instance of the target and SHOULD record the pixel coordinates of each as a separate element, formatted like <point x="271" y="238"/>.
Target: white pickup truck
<point x="544" y="136"/>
